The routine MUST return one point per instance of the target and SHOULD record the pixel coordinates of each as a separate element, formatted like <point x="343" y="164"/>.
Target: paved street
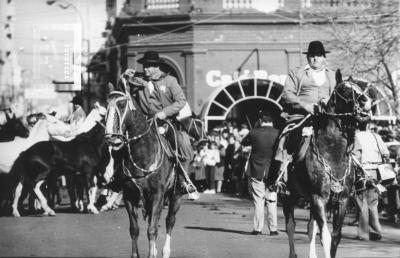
<point x="214" y="226"/>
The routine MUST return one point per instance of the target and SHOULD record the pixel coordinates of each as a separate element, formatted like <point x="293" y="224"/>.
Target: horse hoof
<point x="16" y="214"/>
<point x="93" y="210"/>
<point x="104" y="208"/>
<point x="166" y="253"/>
<point x="49" y="213"/>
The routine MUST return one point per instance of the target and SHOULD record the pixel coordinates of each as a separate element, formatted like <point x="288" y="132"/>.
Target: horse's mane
<point x="95" y="131"/>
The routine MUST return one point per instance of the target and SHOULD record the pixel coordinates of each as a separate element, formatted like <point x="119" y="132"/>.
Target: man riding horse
<point x="160" y="96"/>
<point x="305" y="88"/>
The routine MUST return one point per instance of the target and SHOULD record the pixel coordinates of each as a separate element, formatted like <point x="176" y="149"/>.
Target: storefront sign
<point x="215" y="78"/>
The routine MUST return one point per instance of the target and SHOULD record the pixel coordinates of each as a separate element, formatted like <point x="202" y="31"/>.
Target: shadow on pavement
<point x="221" y="230"/>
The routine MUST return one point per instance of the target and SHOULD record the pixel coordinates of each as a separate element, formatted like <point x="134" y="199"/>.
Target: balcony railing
<point x="162" y="4"/>
<point x="252" y="4"/>
<point x="336" y="3"/>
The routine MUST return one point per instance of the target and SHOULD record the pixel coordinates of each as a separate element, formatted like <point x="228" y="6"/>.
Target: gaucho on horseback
<point x="305" y="88"/>
<point x="161" y="97"/>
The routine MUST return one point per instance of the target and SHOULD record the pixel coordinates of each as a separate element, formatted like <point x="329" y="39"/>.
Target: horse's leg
<point x="92" y="183"/>
<point x="338" y="218"/>
<point x="173" y="207"/>
<point x="152" y="231"/>
<point x="288" y="210"/>
<point x="42" y="199"/>
<point x="80" y="190"/>
<point x="319" y="213"/>
<point x="133" y="223"/>
<point x="312" y="233"/>
<point x="17" y="195"/>
<point x="71" y="189"/>
<point x="110" y="201"/>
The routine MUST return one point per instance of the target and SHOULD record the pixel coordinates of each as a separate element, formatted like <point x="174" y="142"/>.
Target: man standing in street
<point x="261" y="140"/>
<point x="78" y="115"/>
<point x="369" y="151"/>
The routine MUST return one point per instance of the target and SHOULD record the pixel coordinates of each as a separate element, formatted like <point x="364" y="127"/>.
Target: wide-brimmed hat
<point x="77" y="100"/>
<point x="150" y="57"/>
<point x="316" y="48"/>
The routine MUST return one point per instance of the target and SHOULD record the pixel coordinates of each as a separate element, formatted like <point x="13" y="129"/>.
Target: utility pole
<point x="301" y="33"/>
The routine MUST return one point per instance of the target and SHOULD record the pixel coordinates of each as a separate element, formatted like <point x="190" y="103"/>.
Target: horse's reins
<point x="126" y="140"/>
<point x="337" y="186"/>
<point x="202" y="134"/>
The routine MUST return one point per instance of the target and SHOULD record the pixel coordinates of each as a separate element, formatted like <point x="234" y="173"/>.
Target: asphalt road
<point x="213" y="226"/>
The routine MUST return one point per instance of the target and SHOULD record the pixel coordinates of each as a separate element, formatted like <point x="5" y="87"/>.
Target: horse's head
<point x="32" y="119"/>
<point x="349" y="98"/>
<point x="119" y="116"/>
<point x="14" y="127"/>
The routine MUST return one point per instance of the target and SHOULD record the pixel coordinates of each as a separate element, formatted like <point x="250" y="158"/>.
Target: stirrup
<point x="193" y="196"/>
<point x="282" y="187"/>
<point x="190" y="188"/>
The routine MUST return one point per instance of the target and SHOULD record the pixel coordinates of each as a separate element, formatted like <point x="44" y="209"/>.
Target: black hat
<point x="150" y="57"/>
<point x="315" y="48"/>
<point x="77" y="100"/>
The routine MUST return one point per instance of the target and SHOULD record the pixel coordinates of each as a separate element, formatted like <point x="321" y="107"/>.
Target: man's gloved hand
<point x="309" y="108"/>
<point x="139" y="82"/>
<point x="160" y="115"/>
<point x="323" y="102"/>
<point x="129" y="73"/>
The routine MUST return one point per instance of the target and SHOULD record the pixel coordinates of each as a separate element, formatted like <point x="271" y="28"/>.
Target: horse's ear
<point x="338" y="76"/>
<point x="14" y="117"/>
<point x="110" y="87"/>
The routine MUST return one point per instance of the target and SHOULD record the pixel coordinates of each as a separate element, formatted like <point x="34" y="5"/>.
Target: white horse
<point x="41" y="131"/>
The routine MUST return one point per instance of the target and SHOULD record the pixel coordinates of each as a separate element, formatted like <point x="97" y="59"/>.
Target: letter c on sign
<point x="213" y="78"/>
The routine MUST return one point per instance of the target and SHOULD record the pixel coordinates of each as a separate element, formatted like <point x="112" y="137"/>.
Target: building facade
<point x="230" y="57"/>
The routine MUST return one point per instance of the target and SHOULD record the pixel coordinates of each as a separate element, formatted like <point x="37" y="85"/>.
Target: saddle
<point x="167" y="131"/>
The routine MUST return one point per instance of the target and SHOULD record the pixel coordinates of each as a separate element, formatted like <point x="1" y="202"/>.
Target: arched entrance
<point x="170" y="67"/>
<point x="241" y="100"/>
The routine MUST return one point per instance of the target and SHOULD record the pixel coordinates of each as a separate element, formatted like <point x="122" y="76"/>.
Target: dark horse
<point x="138" y="147"/>
<point x="86" y="155"/>
<point x="325" y="175"/>
<point x="13" y="127"/>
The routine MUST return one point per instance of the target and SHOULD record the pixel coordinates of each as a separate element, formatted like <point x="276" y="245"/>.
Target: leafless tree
<point x="366" y="43"/>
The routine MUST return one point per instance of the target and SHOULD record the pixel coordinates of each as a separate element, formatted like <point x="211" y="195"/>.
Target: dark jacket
<point x="261" y="140"/>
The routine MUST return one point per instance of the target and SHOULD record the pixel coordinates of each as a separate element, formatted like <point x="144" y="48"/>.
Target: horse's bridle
<point x="357" y="110"/>
<point x="121" y="117"/>
<point x="125" y="138"/>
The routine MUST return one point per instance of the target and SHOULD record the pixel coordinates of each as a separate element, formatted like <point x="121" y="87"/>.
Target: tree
<point x="366" y="44"/>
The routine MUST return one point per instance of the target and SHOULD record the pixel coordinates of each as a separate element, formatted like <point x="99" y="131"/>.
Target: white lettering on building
<point x="215" y="78"/>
